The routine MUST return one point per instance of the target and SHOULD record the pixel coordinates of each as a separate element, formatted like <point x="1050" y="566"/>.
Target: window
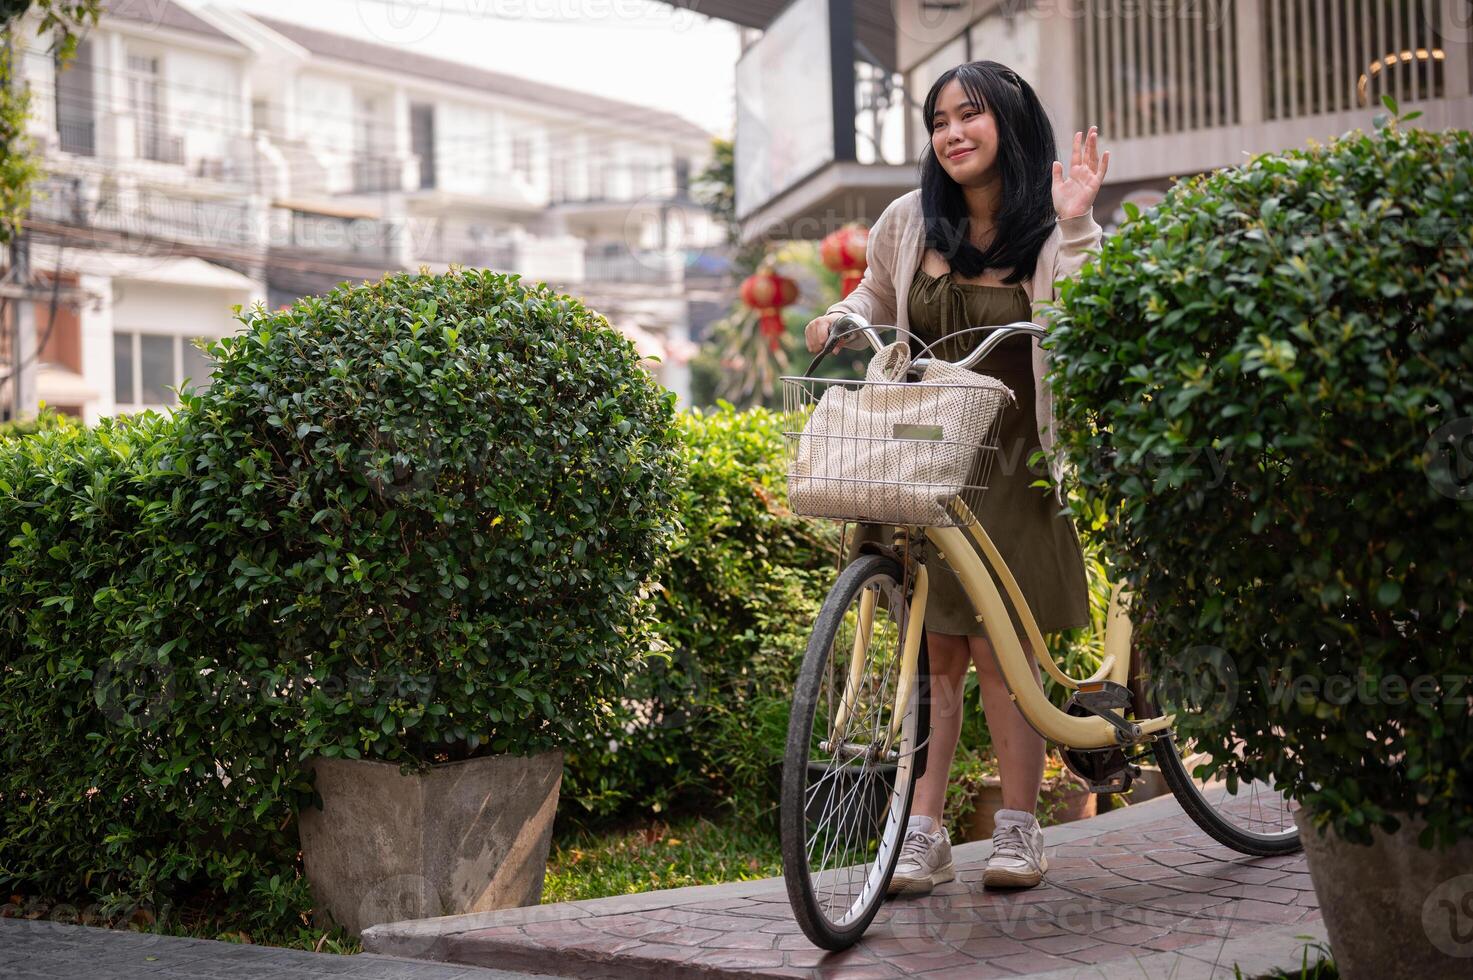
<point x="367" y="133"/>
<point x="76" y="112"/>
<point x="521" y="157"/>
<point x="422" y="136"/>
<point x="146" y="102"/>
<point x="156" y="367"/>
<point x="146" y="365"/>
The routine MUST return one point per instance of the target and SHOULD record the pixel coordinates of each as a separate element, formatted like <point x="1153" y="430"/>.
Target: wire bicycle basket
<point x="891" y="451"/>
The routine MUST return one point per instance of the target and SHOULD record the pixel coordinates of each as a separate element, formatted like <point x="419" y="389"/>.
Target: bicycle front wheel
<point x="848" y="774"/>
<point x="1251" y="817"/>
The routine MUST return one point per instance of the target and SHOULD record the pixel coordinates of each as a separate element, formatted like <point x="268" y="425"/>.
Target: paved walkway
<point x="43" y="950"/>
<point x="1138" y="892"/>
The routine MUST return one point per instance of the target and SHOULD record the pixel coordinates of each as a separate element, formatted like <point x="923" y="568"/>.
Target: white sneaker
<point x="1017" y="859"/>
<point x="925" y="859"/>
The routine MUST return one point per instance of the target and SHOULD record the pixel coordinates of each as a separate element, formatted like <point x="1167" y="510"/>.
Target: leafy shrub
<point x="1258" y="381"/>
<point x="412" y="520"/>
<point x="706" y="722"/>
<point x="120" y="778"/>
<point x="43" y="420"/>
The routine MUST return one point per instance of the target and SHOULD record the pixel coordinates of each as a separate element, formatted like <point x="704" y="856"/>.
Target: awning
<point x="169" y="270"/>
<point x="56" y="385"/>
<point x="326" y="210"/>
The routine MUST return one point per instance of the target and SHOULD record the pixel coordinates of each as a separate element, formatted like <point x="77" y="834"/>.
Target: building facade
<point x="197" y="158"/>
<point x="1177" y="87"/>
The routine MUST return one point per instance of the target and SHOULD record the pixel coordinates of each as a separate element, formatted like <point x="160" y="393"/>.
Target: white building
<point x="828" y="95"/>
<point x="197" y="158"/>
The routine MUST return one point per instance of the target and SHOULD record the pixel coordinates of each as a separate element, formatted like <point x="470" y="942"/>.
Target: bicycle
<point x="859" y="723"/>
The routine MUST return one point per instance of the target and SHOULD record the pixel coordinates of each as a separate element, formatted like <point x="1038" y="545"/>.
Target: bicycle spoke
<point x="844" y="801"/>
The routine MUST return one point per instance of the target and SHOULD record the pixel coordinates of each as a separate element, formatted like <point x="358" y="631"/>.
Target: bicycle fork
<point x="910" y="657"/>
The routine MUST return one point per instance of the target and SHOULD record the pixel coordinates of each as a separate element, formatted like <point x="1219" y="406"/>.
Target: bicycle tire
<point x="821" y="928"/>
<point x="1189" y="794"/>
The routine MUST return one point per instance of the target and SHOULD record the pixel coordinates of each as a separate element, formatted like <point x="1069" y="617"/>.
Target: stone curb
<point x="444" y="938"/>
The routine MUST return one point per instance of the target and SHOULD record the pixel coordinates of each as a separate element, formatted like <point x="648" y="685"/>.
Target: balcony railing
<point x="144" y="213"/>
<point x="615" y="184"/>
<point x="623" y="265"/>
<point x="376" y="174"/>
<point x="1345" y="54"/>
<point x="1161" y="69"/>
<point x="160" y="147"/>
<point x="475" y="249"/>
<point x="358" y="238"/>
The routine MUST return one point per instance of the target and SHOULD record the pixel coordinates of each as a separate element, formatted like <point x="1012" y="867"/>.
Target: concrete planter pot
<point x="1393" y="910"/>
<point x="461" y="837"/>
<point x="1065" y="798"/>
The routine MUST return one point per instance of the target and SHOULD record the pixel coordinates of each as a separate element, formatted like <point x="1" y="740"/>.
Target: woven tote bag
<point x="887" y="451"/>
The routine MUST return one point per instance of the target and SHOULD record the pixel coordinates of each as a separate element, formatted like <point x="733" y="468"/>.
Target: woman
<point x="995" y="223"/>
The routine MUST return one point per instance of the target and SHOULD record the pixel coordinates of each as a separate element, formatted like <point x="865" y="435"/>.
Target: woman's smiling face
<point x="963" y="135"/>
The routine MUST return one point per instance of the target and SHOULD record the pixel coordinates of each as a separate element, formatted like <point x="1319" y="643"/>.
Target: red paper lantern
<point x="844" y="252"/>
<point x="767" y="292"/>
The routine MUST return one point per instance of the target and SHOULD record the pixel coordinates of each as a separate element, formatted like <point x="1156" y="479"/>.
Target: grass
<point x="648" y="856"/>
<point x="201" y="918"/>
<point x="1323" y="967"/>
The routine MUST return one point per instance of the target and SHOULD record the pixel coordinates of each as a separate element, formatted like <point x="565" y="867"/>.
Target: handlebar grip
<point x="838" y="333"/>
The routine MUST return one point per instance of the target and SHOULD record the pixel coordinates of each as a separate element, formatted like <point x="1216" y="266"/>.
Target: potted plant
<point x="1264" y="382"/>
<point x="452" y="493"/>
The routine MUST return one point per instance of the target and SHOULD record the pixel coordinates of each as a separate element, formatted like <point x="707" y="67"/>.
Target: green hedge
<point x="42" y="421"/>
<point x="706" y="722"/>
<point x="1262" y="382"/>
<point x="414" y="520"/>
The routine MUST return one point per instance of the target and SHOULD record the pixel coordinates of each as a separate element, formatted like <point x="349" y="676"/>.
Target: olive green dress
<point x="1039" y="545"/>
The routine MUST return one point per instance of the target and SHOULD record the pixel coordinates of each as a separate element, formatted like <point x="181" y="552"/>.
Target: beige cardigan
<point x="896" y="244"/>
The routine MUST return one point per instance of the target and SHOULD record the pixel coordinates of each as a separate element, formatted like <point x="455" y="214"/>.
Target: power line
<point x="439" y="8"/>
<point x="631" y="112"/>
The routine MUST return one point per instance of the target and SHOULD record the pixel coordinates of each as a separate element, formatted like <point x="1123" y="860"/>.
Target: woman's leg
<point x="1020" y="750"/>
<point x="949" y="656"/>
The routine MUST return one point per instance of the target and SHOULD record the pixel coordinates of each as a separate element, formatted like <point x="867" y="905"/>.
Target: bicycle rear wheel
<point x="847" y="785"/>
<point x="1249" y="817"/>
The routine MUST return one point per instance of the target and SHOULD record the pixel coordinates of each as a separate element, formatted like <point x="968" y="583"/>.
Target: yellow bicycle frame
<point x="1069" y="731"/>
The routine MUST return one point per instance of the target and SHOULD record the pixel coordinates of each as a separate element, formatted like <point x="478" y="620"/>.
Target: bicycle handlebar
<point x="857" y="324"/>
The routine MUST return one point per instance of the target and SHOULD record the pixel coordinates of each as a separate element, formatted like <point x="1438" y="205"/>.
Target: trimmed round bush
<point x="451" y="494"/>
<point x="1264" y="384"/>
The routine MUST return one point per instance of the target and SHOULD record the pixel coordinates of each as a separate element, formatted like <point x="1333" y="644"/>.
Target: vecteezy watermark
<point x="1447" y="917"/>
<point x="401" y="22"/>
<point x="1201" y="681"/>
<point x="1454" y="28"/>
<point x="409" y="22"/>
<point x="1449" y="456"/>
<point x="46" y="920"/>
<point x="1282" y="690"/>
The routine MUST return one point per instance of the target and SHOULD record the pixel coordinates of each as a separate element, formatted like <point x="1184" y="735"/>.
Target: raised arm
<point x="1074" y="195"/>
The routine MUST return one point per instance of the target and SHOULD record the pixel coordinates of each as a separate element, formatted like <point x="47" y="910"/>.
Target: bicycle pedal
<point x="1103" y="699"/>
<point x="1119" y="782"/>
<point x="1099" y="696"/>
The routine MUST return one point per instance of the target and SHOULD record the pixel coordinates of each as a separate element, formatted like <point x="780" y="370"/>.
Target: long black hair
<point x="1025" y="159"/>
